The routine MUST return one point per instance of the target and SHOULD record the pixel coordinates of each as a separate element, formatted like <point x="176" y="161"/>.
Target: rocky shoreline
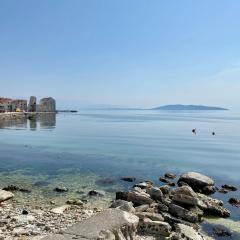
<point x="143" y="212"/>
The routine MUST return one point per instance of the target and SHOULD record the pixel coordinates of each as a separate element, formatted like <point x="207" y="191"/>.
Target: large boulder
<point x="196" y="180"/>
<point x="123" y="205"/>
<point x="212" y="206"/>
<point x="5" y="195"/>
<point x="110" y="224"/>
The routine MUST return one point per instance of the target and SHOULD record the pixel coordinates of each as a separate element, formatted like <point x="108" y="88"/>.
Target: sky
<point x="136" y="53"/>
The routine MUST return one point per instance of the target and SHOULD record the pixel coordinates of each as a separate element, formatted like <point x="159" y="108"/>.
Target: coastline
<point x="167" y="211"/>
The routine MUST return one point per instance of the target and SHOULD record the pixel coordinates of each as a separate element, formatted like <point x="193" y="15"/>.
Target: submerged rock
<point x="235" y="202"/>
<point x="13" y="188"/>
<point x="97" y="193"/>
<point x="5" y="195"/>
<point x="128" y="179"/>
<point x="165" y="180"/>
<point x="229" y="187"/>
<point x="61" y="189"/>
<point x="221" y="232"/>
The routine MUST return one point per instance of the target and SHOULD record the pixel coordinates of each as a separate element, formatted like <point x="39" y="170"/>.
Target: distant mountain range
<point x="188" y="107"/>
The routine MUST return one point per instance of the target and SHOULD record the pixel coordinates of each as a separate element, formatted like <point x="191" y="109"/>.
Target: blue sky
<point x="121" y="52"/>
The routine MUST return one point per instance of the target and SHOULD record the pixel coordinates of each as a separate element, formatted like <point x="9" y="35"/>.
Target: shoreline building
<point x="5" y="105"/>
<point x="19" y="105"/>
<point x="47" y="105"/>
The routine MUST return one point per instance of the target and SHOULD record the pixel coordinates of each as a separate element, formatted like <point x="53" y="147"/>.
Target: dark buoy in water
<point x="213" y="133"/>
<point x="194" y="131"/>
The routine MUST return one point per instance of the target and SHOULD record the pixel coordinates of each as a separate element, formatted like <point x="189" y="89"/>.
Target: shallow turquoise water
<point x="112" y="144"/>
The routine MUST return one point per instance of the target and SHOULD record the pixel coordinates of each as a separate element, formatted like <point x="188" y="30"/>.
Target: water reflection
<point x="35" y="122"/>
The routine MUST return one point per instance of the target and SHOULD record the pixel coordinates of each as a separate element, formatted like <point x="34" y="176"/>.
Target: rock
<point x="121" y="195"/>
<point x="139" y="198"/>
<point x="170" y="175"/>
<point x="223" y="190"/>
<point x="184" y="232"/>
<point x="185" y="190"/>
<point x="105" y="182"/>
<point x="174" y="220"/>
<point x="5" y="195"/>
<point x="212" y="206"/>
<point x="196" y="180"/>
<point x="183" y="213"/>
<point x="96" y="193"/>
<point x="77" y="202"/>
<point x="235" y="202"/>
<point x="110" y="224"/>
<point x="183" y="199"/>
<point x="229" y="187"/>
<point x="19" y="231"/>
<point x="128" y="179"/>
<point x="24" y="218"/>
<point x="123" y="205"/>
<point x="162" y="207"/>
<point x="155" y="193"/>
<point x="13" y="188"/>
<point x="209" y="189"/>
<point x="61" y="189"/>
<point x="148" y="226"/>
<point x="152" y="216"/>
<point x="60" y="210"/>
<point x="165" y="189"/>
<point x="142" y="208"/>
<point x="221" y="232"/>
<point x="25" y="212"/>
<point x="144" y="185"/>
<point x="164" y="180"/>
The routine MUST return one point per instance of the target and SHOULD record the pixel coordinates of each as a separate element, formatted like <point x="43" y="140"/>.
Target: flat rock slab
<point x="109" y="224"/>
<point x="5" y="195"/>
<point x="196" y="180"/>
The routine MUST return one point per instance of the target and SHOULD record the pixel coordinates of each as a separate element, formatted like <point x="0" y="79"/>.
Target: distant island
<point x="188" y="107"/>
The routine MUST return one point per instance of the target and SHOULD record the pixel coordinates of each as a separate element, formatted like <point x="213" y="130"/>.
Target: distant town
<point x="21" y="105"/>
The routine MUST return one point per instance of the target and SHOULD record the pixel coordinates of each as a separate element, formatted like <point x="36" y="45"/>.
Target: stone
<point x="25" y="212"/>
<point x="185" y="190"/>
<point x="144" y="185"/>
<point x="105" y="182"/>
<point x="212" y="206"/>
<point x="165" y="189"/>
<point x="19" y="231"/>
<point x="235" y="202"/>
<point x="77" y="202"/>
<point x="208" y="189"/>
<point x="142" y="208"/>
<point x="60" y="210"/>
<point x="183" y="213"/>
<point x="139" y="198"/>
<point x="184" y="232"/>
<point x="162" y="207"/>
<point x="155" y="193"/>
<point x="196" y="180"/>
<point x="183" y="199"/>
<point x="110" y="224"/>
<point x="5" y="195"/>
<point x="164" y="180"/>
<point x="229" y="187"/>
<point x="152" y="216"/>
<point x="123" y="205"/>
<point x="61" y="189"/>
<point x="148" y="226"/>
<point x="170" y="175"/>
<point x="12" y="188"/>
<point x="128" y="179"/>
<point x="96" y="193"/>
<point x="221" y="232"/>
<point x="24" y="218"/>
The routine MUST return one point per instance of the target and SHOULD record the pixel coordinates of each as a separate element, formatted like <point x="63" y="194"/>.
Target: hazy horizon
<point x="122" y="53"/>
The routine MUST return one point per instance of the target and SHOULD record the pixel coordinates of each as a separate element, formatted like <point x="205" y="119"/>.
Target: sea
<point x="94" y="149"/>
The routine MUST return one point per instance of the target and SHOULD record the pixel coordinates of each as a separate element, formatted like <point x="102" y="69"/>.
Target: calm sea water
<point x="83" y="149"/>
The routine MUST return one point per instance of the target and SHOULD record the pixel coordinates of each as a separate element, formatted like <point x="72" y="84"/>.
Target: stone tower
<point x="47" y="105"/>
<point x="32" y="106"/>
